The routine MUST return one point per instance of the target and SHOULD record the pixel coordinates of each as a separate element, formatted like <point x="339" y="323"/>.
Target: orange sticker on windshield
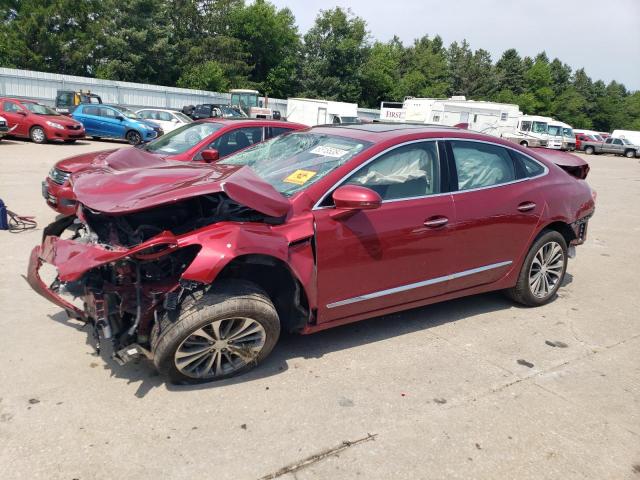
<point x="300" y="177"/>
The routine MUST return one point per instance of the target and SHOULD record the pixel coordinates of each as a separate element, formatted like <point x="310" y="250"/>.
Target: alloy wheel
<point x="220" y="348"/>
<point x="134" y="138"/>
<point x="546" y="270"/>
<point x="37" y="135"/>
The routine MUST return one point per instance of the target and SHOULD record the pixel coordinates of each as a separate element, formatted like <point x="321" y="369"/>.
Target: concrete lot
<point x="439" y="387"/>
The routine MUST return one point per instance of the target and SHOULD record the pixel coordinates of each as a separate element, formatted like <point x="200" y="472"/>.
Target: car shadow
<point x="293" y="346"/>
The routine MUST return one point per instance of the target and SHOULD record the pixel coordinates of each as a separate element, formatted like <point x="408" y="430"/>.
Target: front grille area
<point x="74" y="127"/>
<point x="59" y="176"/>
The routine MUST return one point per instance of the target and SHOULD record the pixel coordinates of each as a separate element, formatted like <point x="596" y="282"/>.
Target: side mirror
<point x="210" y="155"/>
<point x="119" y="117"/>
<point x="352" y="198"/>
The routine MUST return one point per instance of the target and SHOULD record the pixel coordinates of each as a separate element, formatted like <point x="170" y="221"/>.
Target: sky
<point x="601" y="36"/>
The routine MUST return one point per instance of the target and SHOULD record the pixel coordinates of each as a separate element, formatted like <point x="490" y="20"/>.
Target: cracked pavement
<point x="440" y="387"/>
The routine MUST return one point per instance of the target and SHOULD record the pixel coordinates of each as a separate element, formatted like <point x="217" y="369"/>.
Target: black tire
<point x="37" y="135"/>
<point x="524" y="143"/>
<point x="96" y="138"/>
<point x="522" y="291"/>
<point x="630" y="154"/>
<point x="589" y="150"/>
<point x="133" y="137"/>
<point x="225" y="303"/>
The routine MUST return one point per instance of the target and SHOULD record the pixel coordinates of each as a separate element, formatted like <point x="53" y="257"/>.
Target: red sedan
<point x="199" y="267"/>
<point x="30" y="119"/>
<point x="206" y="140"/>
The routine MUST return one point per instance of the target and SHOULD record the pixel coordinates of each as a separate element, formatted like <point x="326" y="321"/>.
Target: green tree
<point x="381" y="72"/>
<point x="510" y="72"/>
<point x="205" y="76"/>
<point x="425" y="70"/>
<point x="271" y="39"/>
<point x="334" y="52"/>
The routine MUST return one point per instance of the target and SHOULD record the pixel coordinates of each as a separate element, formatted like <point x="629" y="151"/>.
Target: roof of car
<point x="22" y="100"/>
<point x="380" y="131"/>
<point x="235" y="121"/>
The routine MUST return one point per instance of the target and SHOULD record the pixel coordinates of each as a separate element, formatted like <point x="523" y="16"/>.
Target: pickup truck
<point x="617" y="146"/>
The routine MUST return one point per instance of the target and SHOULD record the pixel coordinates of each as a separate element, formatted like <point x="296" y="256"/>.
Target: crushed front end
<point x="126" y="270"/>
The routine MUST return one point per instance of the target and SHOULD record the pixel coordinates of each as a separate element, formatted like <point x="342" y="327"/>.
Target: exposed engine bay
<point x="124" y="298"/>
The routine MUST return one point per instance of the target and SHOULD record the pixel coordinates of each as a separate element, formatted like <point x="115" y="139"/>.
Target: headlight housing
<point x="55" y="125"/>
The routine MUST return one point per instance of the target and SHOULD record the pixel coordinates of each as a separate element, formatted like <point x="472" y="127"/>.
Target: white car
<point x="4" y="127"/>
<point x="167" y="119"/>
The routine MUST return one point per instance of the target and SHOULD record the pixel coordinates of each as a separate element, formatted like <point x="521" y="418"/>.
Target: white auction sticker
<point x="329" y="151"/>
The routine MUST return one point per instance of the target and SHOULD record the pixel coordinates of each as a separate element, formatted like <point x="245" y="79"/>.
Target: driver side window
<point x="405" y="172"/>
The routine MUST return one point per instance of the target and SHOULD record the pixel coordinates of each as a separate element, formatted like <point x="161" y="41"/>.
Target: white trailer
<point x="502" y="120"/>
<point x="632" y="135"/>
<point x="320" y="112"/>
<point x="392" y="112"/>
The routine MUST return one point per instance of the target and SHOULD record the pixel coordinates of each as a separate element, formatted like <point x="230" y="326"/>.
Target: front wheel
<point x="133" y="137"/>
<point x="37" y="135"/>
<point x="543" y="270"/>
<point x="589" y="150"/>
<point x="630" y="154"/>
<point x="524" y="143"/>
<point x="223" y="332"/>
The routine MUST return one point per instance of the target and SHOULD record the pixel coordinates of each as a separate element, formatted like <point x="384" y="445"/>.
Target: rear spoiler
<point x="570" y="163"/>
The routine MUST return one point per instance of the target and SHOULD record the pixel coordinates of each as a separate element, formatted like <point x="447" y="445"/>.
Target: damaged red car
<point x="200" y="267"/>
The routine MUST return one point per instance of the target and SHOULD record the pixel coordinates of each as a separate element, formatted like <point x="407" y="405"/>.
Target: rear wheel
<point x="589" y="150"/>
<point x="133" y="137"/>
<point x="37" y="135"/>
<point x="543" y="270"/>
<point x="221" y="333"/>
<point x="524" y="143"/>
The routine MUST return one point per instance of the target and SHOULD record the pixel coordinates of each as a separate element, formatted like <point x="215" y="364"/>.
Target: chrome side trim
<point x="411" y="286"/>
<point x="317" y="205"/>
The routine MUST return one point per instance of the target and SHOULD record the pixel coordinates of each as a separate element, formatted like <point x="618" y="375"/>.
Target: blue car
<point x="114" y="121"/>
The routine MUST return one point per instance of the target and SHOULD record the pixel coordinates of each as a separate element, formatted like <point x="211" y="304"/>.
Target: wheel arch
<point x="561" y="227"/>
<point x="277" y="279"/>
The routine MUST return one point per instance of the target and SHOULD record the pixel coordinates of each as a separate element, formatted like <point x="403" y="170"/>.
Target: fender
<point x="228" y="241"/>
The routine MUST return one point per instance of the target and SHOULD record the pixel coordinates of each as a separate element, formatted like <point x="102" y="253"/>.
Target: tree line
<point x="221" y="44"/>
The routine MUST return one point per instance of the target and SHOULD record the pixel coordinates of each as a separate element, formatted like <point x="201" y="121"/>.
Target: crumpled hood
<point x="131" y="180"/>
<point x="78" y="162"/>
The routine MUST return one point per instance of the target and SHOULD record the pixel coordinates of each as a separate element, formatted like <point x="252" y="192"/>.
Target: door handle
<point x="526" y="206"/>
<point x="435" y="222"/>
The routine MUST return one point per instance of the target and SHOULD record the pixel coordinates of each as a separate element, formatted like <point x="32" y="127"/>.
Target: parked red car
<point x="200" y="266"/>
<point x="205" y="140"/>
<point x="586" y="137"/>
<point x="30" y="119"/>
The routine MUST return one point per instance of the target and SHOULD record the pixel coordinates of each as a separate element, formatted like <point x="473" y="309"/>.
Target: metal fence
<point x="43" y="87"/>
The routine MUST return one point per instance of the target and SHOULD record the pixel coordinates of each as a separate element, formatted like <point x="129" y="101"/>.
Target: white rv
<point x="320" y="112"/>
<point x="631" y="135"/>
<point x="568" y="137"/>
<point x="392" y="112"/>
<point x="555" y="132"/>
<point x="498" y="119"/>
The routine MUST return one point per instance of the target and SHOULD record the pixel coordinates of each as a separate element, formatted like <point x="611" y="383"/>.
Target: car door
<point x="498" y="203"/>
<point x="617" y="146"/>
<point x="112" y="123"/>
<point x="16" y="118"/>
<point x="607" y="146"/>
<point x="89" y="116"/>
<point x="396" y="254"/>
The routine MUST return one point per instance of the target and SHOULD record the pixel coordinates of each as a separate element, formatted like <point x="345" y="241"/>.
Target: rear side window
<point x="530" y="167"/>
<point x="90" y="110"/>
<point x="481" y="165"/>
<point x="275" y="131"/>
